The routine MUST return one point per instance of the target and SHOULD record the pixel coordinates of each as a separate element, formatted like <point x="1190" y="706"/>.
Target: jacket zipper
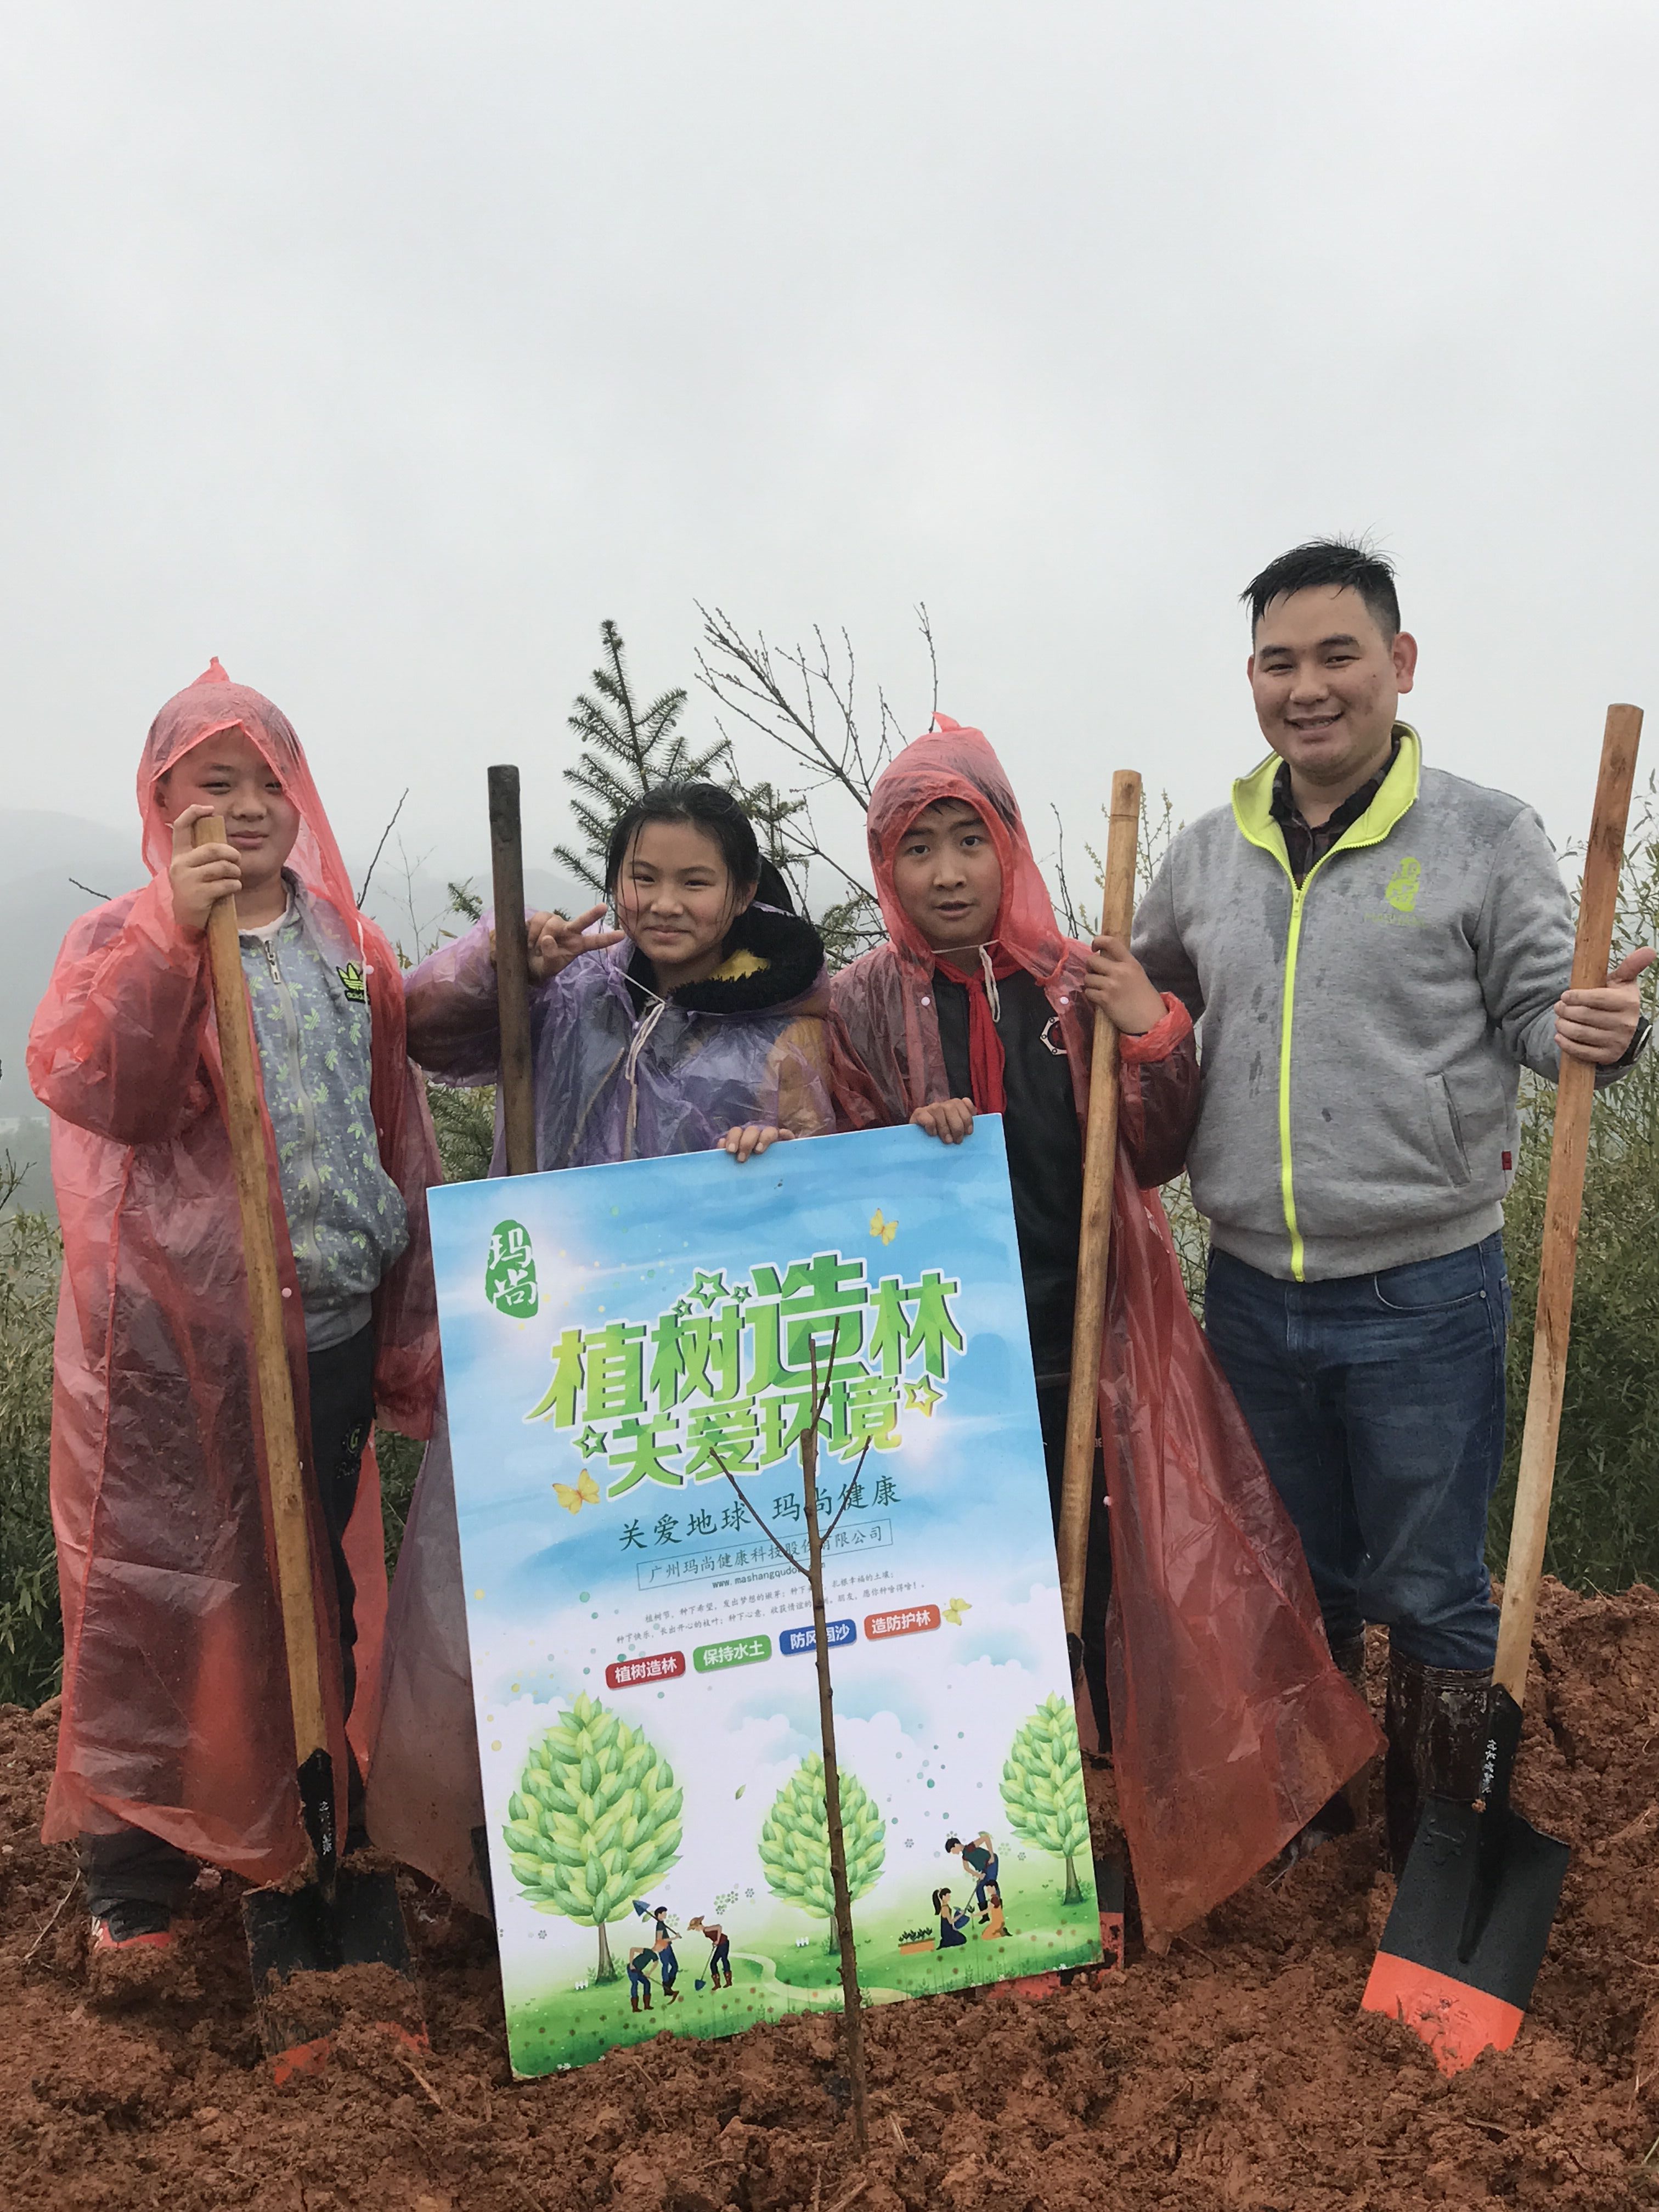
<point x="1292" y="942"/>
<point x="311" y="1186"/>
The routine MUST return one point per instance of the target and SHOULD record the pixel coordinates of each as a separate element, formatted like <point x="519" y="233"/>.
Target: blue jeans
<point x="1377" y="1403"/>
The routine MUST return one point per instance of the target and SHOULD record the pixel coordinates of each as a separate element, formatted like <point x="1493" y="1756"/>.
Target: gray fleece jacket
<point x="1362" y="1035"/>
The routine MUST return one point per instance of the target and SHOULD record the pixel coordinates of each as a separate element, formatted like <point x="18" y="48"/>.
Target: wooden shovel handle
<point x="512" y="971"/>
<point x="1095" y="1236"/>
<point x="273" y="1383"/>
<point x="1574" y="1098"/>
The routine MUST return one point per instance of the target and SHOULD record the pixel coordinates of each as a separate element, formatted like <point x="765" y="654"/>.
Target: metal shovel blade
<point x="1472" y="1916"/>
<point x="305" y="1932"/>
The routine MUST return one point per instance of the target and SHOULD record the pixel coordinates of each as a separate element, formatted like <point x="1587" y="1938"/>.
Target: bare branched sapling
<point x="806" y="701"/>
<point x="813" y="1568"/>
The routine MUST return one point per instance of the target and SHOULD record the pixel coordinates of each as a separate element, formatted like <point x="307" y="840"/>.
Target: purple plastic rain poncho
<point x="619" y="1074"/>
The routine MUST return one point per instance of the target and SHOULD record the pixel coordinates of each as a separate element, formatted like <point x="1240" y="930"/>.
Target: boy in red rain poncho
<point x="176" y="1742"/>
<point x="1230" y="1727"/>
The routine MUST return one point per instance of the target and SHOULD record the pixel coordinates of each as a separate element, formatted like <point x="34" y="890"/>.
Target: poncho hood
<point x="203" y="709"/>
<point x="954" y="762"/>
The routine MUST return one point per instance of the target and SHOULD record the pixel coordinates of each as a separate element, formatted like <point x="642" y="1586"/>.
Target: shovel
<point x="1093" y="1252"/>
<point x="1472" y="1918"/>
<point x="338" y="1915"/>
<point x="1095" y="1234"/>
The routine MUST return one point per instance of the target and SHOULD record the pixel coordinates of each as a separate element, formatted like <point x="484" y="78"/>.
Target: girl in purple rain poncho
<point x="696" y="1025"/>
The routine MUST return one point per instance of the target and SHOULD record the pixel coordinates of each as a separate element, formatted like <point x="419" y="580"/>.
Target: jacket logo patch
<point x="1404" y="885"/>
<point x="352" y="982"/>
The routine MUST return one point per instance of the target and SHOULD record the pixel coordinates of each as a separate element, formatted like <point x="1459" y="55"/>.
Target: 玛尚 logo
<point x="510" y="1272"/>
<point x="1404" y="885"/>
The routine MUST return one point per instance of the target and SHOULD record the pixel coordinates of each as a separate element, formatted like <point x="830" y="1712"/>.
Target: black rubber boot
<point x="1350" y="1660"/>
<point x="1337" y="1815"/>
<point x="1356" y="1790"/>
<point x="1436" y="1723"/>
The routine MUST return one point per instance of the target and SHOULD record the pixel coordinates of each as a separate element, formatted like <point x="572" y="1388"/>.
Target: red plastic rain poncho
<point x="1230" y="1724"/>
<point x="175" y="1714"/>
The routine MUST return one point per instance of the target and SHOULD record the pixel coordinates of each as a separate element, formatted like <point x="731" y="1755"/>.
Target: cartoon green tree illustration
<point x="1043" y="1789"/>
<point x="595" y="1820"/>
<point x="794" y="1843"/>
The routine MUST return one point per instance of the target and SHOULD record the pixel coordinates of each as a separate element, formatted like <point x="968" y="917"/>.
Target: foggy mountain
<point x="38" y="901"/>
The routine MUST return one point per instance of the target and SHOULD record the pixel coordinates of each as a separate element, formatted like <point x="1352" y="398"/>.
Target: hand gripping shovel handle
<point x="1478" y="1896"/>
<point x="273" y="1384"/>
<point x="1575" y="1096"/>
<point x="512" y="971"/>
<point x="1095" y="1236"/>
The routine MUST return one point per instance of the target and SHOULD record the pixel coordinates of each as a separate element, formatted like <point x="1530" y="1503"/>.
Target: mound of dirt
<point x="1237" y="2071"/>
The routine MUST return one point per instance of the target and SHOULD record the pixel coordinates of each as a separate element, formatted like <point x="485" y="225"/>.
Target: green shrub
<point x="1604" y="1520"/>
<point x="466" y="1124"/>
<point x="31" y="1628"/>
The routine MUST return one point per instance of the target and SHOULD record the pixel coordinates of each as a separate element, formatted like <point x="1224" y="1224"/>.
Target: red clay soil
<point x="1237" y="2071"/>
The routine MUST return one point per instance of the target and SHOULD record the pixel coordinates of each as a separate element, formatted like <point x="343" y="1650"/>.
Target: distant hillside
<point x="38" y="901"/>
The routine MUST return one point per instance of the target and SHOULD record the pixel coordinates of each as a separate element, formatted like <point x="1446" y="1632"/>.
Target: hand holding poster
<point x="643" y="1654"/>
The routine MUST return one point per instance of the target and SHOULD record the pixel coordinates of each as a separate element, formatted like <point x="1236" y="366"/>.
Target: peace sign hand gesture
<point x="552" y="942"/>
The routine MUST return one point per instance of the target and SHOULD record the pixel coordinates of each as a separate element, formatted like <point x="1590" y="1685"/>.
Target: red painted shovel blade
<point x="1467" y="1933"/>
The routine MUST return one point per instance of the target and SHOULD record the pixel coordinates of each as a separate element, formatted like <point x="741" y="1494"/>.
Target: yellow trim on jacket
<point x="1252" y="811"/>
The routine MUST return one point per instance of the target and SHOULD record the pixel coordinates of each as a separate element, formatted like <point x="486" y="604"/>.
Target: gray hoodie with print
<point x="346" y="1217"/>
<point x="1362" y="1035"/>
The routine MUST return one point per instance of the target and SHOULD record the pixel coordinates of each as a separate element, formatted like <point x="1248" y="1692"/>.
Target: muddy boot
<point x="1436" y="1723"/>
<point x="1338" y="1815"/>
<point x="1356" y="1790"/>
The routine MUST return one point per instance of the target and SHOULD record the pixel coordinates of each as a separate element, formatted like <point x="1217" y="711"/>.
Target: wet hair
<point x="705" y="808"/>
<point x="999" y="803"/>
<point x="1338" y="563"/>
<point x="939" y="1896"/>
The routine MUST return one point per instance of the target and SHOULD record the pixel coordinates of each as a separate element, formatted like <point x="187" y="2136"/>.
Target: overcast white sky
<point x="384" y="348"/>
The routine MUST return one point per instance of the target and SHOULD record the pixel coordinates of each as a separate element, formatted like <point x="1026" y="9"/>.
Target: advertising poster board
<point x="642" y="1655"/>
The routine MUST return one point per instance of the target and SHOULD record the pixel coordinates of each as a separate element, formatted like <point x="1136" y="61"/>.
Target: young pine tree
<point x="626" y="749"/>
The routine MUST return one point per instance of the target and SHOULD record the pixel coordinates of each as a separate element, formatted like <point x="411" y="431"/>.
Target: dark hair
<point x="939" y="1894"/>
<point x="953" y="1842"/>
<point x="706" y="807"/>
<point x="1334" y="561"/>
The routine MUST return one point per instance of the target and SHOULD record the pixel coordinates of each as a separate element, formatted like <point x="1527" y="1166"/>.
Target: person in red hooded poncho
<point x="176" y="1741"/>
<point x="1230" y="1727"/>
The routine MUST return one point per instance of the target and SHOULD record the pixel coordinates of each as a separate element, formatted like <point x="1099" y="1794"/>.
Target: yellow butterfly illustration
<point x="954" y="1611"/>
<point x="585" y="1493"/>
<point x="880" y="1226"/>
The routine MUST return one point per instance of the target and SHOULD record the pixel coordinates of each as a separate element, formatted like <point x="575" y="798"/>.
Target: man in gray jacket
<point x="1376" y="948"/>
